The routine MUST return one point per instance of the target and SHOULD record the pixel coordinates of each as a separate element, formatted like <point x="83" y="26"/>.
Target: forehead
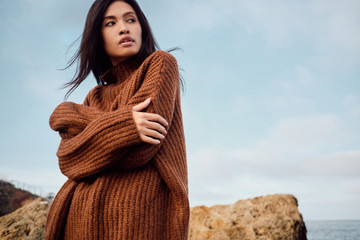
<point x="118" y="9"/>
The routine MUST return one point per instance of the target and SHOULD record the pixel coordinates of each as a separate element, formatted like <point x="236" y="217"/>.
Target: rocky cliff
<point x="270" y="217"/>
<point x="274" y="217"/>
<point x="12" y="198"/>
<point x="27" y="222"/>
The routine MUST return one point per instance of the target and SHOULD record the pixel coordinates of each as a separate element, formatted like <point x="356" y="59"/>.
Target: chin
<point x="123" y="56"/>
<point x="130" y="53"/>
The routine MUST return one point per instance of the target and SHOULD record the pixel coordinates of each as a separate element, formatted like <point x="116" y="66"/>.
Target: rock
<point x="269" y="217"/>
<point x="27" y="222"/>
<point x="12" y="198"/>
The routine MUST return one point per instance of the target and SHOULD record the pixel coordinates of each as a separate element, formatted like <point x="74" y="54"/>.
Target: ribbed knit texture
<point x="119" y="187"/>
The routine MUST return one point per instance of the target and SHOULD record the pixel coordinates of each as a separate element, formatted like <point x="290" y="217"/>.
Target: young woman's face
<point x="121" y="32"/>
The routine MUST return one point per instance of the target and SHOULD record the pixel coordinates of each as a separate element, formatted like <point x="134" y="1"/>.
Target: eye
<point x="131" y="20"/>
<point x="109" y="24"/>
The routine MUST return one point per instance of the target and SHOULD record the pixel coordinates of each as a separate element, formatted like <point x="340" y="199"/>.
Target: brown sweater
<point x="120" y="187"/>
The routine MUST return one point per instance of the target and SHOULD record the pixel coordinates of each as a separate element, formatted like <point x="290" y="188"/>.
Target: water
<point x="333" y="230"/>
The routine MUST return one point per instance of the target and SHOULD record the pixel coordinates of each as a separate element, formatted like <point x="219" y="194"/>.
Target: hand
<point x="151" y="126"/>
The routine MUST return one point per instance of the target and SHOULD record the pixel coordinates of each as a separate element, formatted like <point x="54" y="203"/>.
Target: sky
<point x="271" y="105"/>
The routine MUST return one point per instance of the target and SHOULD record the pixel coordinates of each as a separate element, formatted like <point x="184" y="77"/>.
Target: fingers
<point x="150" y="135"/>
<point x="150" y="121"/>
<point x="150" y="116"/>
<point x="156" y="127"/>
<point x="150" y="140"/>
<point x="153" y="134"/>
<point x="151" y="126"/>
<point x="141" y="105"/>
<point x="156" y="118"/>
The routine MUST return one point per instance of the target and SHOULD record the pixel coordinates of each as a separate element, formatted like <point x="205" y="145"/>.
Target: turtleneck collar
<point x="121" y="71"/>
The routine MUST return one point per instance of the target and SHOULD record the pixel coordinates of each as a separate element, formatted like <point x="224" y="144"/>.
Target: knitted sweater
<point x="119" y="187"/>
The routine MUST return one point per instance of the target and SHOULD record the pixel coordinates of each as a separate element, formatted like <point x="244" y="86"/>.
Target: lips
<point x="126" y="40"/>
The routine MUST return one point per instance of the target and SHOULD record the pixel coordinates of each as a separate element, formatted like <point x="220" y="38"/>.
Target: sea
<point x="333" y="230"/>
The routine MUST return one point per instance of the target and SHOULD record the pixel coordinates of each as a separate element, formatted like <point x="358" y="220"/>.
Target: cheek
<point x="107" y="37"/>
<point x="108" y="46"/>
<point x="140" y="35"/>
<point x="104" y="39"/>
<point x="137" y="31"/>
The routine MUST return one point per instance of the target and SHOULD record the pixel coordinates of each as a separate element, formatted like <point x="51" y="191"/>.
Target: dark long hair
<point x="91" y="56"/>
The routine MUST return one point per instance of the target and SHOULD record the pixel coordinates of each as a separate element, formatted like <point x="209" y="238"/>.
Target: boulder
<point x="27" y="222"/>
<point x="272" y="217"/>
<point x="268" y="217"/>
<point x="12" y="198"/>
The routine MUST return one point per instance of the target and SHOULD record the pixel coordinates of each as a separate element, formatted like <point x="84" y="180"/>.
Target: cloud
<point x="328" y="29"/>
<point x="223" y="177"/>
<point x="303" y="134"/>
<point x="344" y="164"/>
<point x="298" y="155"/>
<point x="287" y="104"/>
<point x="328" y="23"/>
<point x="352" y="103"/>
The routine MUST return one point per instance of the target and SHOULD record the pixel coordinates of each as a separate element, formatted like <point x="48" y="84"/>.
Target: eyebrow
<point x="124" y="15"/>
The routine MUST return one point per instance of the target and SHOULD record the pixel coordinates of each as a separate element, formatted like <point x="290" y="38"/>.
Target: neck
<point x="121" y="70"/>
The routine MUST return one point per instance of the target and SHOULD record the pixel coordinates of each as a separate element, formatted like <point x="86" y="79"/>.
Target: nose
<point x="124" y="30"/>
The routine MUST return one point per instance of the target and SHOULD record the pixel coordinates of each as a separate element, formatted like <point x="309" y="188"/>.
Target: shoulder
<point x="161" y="58"/>
<point x="161" y="66"/>
<point x="94" y="93"/>
<point x="160" y="54"/>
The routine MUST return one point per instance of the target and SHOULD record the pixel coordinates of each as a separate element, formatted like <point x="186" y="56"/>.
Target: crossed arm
<point x="92" y="140"/>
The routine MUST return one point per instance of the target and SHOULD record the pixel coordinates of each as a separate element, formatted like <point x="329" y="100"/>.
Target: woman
<point x="123" y="149"/>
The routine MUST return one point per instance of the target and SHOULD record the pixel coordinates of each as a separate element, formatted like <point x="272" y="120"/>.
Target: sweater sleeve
<point x="93" y="141"/>
<point x="162" y="84"/>
<point x="91" y="137"/>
